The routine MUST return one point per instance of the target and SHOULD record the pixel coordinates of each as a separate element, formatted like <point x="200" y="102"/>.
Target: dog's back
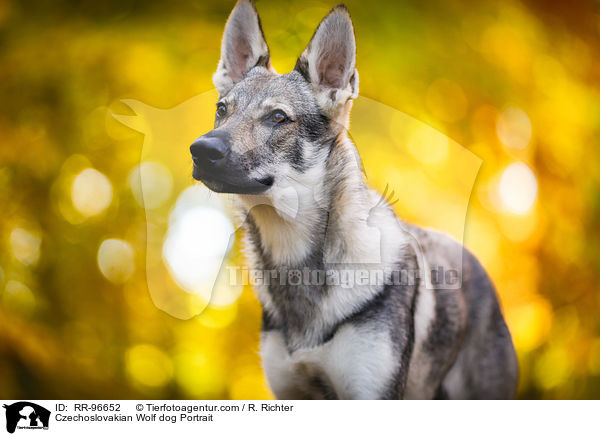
<point x="467" y="349"/>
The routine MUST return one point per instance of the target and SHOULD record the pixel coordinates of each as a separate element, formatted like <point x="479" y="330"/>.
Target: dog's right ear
<point x="329" y="62"/>
<point x="243" y="47"/>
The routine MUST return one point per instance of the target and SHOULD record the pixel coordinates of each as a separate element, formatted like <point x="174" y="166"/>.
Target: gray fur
<point x="398" y="339"/>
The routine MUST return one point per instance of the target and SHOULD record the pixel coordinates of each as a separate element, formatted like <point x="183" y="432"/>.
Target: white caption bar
<point x="149" y="417"/>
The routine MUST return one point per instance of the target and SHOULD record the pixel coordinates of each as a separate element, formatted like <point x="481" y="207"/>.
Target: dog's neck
<point x="304" y="221"/>
<point x="340" y="229"/>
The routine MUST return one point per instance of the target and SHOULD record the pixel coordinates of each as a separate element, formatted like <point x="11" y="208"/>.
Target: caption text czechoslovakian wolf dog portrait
<point x="280" y="144"/>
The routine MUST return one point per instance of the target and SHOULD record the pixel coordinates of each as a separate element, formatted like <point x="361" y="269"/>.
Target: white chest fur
<point x="357" y="363"/>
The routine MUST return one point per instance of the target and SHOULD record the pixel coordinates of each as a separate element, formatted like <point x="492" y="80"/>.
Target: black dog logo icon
<point x="26" y="415"/>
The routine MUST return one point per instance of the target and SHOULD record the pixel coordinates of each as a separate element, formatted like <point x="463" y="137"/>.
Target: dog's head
<point x="272" y="129"/>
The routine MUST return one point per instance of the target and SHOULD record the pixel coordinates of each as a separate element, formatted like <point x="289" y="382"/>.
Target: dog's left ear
<point x="243" y="47"/>
<point x="329" y="61"/>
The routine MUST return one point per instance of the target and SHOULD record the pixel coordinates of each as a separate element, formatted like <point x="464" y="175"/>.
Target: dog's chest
<point x="358" y="362"/>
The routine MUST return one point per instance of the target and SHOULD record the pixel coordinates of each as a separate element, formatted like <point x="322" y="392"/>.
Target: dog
<point x="280" y="144"/>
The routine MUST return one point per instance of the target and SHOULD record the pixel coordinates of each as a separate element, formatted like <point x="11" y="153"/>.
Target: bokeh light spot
<point x="25" y="245"/>
<point x="518" y="188"/>
<point x="148" y="365"/>
<point x="151" y="184"/>
<point x="197" y="243"/>
<point x="18" y="298"/>
<point x="91" y="192"/>
<point x="514" y="128"/>
<point x="116" y="260"/>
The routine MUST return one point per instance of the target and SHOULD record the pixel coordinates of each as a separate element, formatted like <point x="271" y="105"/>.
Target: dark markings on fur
<point x="315" y="127"/>
<point x="302" y="68"/>
<point x="318" y="384"/>
<point x="268" y="323"/>
<point x="295" y="304"/>
<point x="405" y="341"/>
<point x="363" y="312"/>
<point x="263" y="61"/>
<point x="295" y="156"/>
<point x="254" y="234"/>
<point x="445" y="333"/>
<point x="441" y="394"/>
<point x="298" y="304"/>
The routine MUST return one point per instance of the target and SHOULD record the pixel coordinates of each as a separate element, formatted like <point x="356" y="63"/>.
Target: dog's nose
<point x="208" y="150"/>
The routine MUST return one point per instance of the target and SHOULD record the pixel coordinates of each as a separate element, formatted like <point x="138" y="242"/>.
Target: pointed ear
<point x="329" y="61"/>
<point x="243" y="47"/>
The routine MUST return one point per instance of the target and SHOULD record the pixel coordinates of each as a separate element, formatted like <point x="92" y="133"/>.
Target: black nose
<point x="208" y="150"/>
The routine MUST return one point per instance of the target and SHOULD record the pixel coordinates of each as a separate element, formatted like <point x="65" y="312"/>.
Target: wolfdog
<point x="280" y="144"/>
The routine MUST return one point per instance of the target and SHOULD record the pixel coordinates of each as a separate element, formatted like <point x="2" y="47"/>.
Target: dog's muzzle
<point x="209" y="152"/>
<point x="220" y="169"/>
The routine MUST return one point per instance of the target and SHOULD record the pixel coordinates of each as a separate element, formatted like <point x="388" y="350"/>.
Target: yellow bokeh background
<point x="483" y="118"/>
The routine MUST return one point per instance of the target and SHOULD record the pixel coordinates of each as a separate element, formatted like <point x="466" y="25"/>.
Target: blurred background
<point x="490" y="105"/>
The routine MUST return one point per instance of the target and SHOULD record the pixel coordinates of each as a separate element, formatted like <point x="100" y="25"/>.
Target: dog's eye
<point x="221" y="110"/>
<point x="278" y="116"/>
